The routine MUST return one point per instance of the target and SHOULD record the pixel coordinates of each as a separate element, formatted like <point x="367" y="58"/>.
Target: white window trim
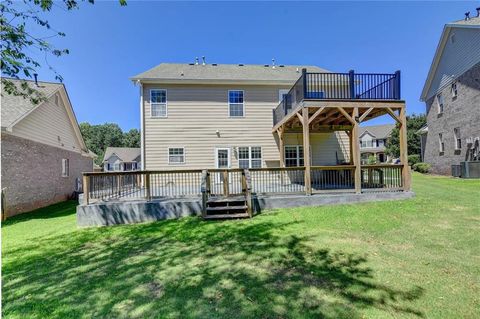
<point x="65" y="168"/>
<point x="452" y="91"/>
<point x="166" y="104"/>
<point x="229" y="156"/>
<point x="243" y="104"/>
<point x="441" y="108"/>
<point x="176" y="163"/>
<point x="250" y="159"/>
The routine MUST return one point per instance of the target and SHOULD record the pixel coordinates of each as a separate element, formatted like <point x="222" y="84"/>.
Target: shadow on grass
<point x="190" y="268"/>
<point x="53" y="211"/>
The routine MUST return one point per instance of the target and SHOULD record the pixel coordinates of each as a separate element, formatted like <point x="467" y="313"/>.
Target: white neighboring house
<point x="373" y="140"/>
<point x="122" y="159"/>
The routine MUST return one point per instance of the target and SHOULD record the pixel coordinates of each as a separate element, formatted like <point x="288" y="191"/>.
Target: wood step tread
<point x="220" y="208"/>
<point x="226" y="199"/>
<point x="226" y="216"/>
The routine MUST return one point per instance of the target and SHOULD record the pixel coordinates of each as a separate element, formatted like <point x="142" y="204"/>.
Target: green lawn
<point x="417" y="258"/>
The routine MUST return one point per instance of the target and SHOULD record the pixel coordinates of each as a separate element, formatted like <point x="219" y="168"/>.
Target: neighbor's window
<point x="158" y="103"/>
<point x="454" y="90"/>
<point x="440" y="103"/>
<point x="294" y="155"/>
<point x="235" y="103"/>
<point x="65" y="167"/>
<point x="176" y="155"/>
<point x="458" y="139"/>
<point x="250" y="157"/>
<point x="441" y="144"/>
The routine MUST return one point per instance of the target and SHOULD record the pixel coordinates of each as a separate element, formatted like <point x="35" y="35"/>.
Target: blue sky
<point x="108" y="43"/>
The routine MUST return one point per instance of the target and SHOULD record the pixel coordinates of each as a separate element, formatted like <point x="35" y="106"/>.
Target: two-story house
<point x="220" y="116"/>
<point x="452" y="97"/>
<point x="121" y="159"/>
<point x="373" y="140"/>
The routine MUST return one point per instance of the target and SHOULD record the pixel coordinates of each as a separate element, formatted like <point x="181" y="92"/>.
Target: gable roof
<point x="447" y="29"/>
<point x="16" y="108"/>
<point x="125" y="154"/>
<point x="224" y="73"/>
<point x="377" y="131"/>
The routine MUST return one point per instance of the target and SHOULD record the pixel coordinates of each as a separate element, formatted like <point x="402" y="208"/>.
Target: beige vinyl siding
<point x="49" y="124"/>
<point x="196" y="112"/>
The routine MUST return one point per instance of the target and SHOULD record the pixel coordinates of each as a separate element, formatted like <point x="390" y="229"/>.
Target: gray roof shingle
<point x="15" y="107"/>
<point x="378" y="131"/>
<point x="225" y="72"/>
<point x="126" y="154"/>
<point x="474" y="21"/>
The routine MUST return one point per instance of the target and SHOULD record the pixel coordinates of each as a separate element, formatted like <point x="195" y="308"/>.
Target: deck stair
<point x="227" y="205"/>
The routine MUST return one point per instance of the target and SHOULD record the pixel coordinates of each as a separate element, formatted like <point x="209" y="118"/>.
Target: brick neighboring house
<point x="122" y="159"/>
<point x="43" y="152"/>
<point x="373" y="140"/>
<point x="452" y="97"/>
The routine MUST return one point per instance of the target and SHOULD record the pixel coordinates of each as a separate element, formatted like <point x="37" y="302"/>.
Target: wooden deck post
<point x="86" y="188"/>
<point x="404" y="150"/>
<point x="306" y="151"/>
<point x="281" y="146"/>
<point x="356" y="152"/>
<point x="225" y="183"/>
<point x="147" y="186"/>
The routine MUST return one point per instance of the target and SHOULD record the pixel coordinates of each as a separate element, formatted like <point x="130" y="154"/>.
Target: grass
<point x="417" y="258"/>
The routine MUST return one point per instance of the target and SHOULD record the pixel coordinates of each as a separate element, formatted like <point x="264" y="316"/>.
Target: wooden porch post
<point x="403" y="150"/>
<point x="306" y="151"/>
<point x="349" y="133"/>
<point x="281" y="146"/>
<point x="356" y="152"/>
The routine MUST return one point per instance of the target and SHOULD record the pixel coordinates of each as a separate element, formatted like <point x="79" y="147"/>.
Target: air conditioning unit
<point x="470" y="169"/>
<point x="456" y="170"/>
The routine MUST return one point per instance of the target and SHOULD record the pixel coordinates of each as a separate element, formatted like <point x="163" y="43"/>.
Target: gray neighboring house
<point x="43" y="152"/>
<point x="452" y="97"/>
<point x="122" y="159"/>
<point x="373" y="140"/>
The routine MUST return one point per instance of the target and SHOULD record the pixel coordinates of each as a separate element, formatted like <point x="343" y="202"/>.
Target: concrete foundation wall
<point x="32" y="174"/>
<point x="114" y="213"/>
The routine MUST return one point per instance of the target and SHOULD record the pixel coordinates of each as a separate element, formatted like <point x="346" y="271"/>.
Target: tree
<point x="414" y="123"/>
<point x="20" y="44"/>
<point x="131" y="138"/>
<point x="99" y="137"/>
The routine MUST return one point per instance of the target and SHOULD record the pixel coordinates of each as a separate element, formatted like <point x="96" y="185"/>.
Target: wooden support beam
<point x="306" y="151"/>
<point x="356" y="153"/>
<point x="349" y="133"/>
<point x="281" y="145"/>
<point x="365" y="114"/>
<point x="314" y="116"/>
<point x="347" y="116"/>
<point x="86" y="189"/>
<point x="404" y="151"/>
<point x="300" y="118"/>
<point x="392" y="114"/>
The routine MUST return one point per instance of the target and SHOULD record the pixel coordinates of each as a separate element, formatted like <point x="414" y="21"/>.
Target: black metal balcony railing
<point x="339" y="86"/>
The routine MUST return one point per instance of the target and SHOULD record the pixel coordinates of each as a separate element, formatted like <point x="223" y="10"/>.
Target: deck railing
<point x="339" y="86"/>
<point x="113" y="186"/>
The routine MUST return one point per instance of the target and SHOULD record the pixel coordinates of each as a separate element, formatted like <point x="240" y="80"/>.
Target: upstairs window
<point x="235" y="103"/>
<point x="441" y="144"/>
<point x="65" y="167"/>
<point x="158" y="103"/>
<point x="250" y="157"/>
<point x="458" y="139"/>
<point x="454" y="90"/>
<point x="176" y="155"/>
<point x="440" y="103"/>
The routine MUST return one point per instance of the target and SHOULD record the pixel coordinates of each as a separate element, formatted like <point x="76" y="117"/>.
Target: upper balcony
<point x="349" y="86"/>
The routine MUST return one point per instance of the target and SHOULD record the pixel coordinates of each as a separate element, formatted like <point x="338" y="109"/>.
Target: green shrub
<point x="413" y="159"/>
<point x="372" y="160"/>
<point x="421" y="167"/>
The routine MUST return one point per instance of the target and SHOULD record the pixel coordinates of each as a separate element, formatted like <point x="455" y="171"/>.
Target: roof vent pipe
<point x="467" y="15"/>
<point x="203" y="60"/>
<point x="196" y="60"/>
<point x="273" y="63"/>
<point x="35" y="75"/>
<point x="478" y="11"/>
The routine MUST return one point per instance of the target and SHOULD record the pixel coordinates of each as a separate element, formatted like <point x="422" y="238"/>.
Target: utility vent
<point x="191" y="64"/>
<point x="214" y="64"/>
<point x="266" y="65"/>
<point x="281" y="65"/>
<point x="240" y="64"/>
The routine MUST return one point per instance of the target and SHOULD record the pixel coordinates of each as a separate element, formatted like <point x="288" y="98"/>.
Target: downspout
<point x="142" y="128"/>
